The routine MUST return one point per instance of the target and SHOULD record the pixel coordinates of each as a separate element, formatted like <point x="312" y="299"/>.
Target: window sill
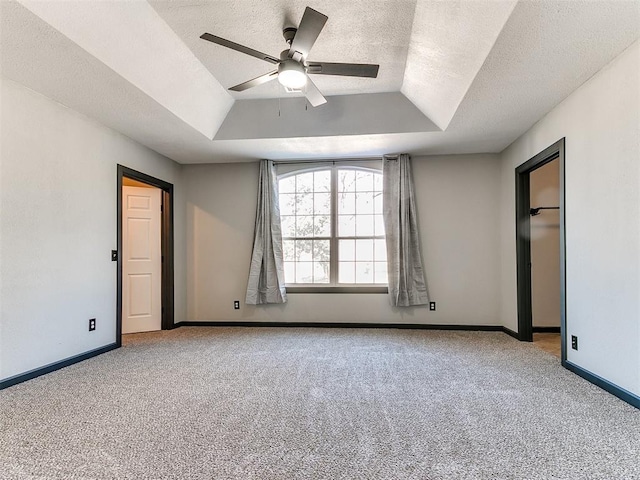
<point x="334" y="289"/>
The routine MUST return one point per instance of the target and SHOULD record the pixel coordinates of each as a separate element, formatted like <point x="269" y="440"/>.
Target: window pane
<point x="347" y="272"/>
<point x="377" y="182"/>
<point x="322" y="203"/>
<point x="288" y="226"/>
<point x="364" y="250"/>
<point x="304" y="272"/>
<point x="346" y="225"/>
<point x="287" y="185"/>
<point x="304" y="226"/>
<point x="377" y="203"/>
<point x="321" y="272"/>
<point x="364" y="272"/>
<point x="364" y="225"/>
<point x="364" y="203"/>
<point x="304" y="204"/>
<point x="379" y="224"/>
<point x="321" y="250"/>
<point x="322" y="181"/>
<point x="322" y="226"/>
<point x="289" y="250"/>
<point x="304" y="250"/>
<point x="347" y="250"/>
<point x="304" y="182"/>
<point x="289" y="272"/>
<point x="346" y="181"/>
<point x="380" y="272"/>
<point x="287" y="203"/>
<point x="346" y="203"/>
<point x="380" y="250"/>
<point x="364" y="181"/>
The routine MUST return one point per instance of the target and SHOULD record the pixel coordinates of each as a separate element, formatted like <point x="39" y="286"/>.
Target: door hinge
<point x="161" y="208"/>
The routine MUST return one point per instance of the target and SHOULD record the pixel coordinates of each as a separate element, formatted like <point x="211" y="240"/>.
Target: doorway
<point x="137" y="193"/>
<point x="530" y="228"/>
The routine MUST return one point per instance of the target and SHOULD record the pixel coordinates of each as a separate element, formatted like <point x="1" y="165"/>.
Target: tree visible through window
<point x="332" y="227"/>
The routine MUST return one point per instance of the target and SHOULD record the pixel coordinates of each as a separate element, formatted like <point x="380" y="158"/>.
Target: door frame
<point x="523" y="242"/>
<point x="166" y="247"/>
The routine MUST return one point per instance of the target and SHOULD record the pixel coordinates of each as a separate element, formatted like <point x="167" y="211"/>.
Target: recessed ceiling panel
<point x="358" y="31"/>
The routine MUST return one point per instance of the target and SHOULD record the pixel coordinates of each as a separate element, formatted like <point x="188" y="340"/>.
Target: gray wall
<point x="58" y="227"/>
<point x="457" y="201"/>
<point x="601" y="123"/>
<point x="545" y="246"/>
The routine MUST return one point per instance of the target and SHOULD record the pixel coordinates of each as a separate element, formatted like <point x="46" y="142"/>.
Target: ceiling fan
<point x="293" y="67"/>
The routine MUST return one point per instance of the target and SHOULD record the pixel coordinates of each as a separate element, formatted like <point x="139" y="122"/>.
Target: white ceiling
<point x="358" y="31"/>
<point x="455" y="76"/>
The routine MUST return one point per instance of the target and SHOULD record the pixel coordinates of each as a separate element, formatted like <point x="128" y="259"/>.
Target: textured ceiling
<point x="358" y="31"/>
<point x="482" y="71"/>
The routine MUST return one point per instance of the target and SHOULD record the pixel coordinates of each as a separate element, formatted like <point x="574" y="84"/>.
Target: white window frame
<point x="290" y="169"/>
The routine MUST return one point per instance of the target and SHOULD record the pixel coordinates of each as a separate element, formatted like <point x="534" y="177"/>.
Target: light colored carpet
<point x="298" y="403"/>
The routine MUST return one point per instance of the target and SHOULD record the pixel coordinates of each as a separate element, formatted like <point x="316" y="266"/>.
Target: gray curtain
<point x="407" y="285"/>
<point x="266" y="276"/>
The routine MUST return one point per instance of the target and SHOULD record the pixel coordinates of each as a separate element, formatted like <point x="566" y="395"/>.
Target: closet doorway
<point x="544" y="197"/>
<point x="540" y="236"/>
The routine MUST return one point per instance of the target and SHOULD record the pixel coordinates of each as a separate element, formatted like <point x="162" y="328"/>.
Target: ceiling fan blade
<point x="310" y="27"/>
<point x="267" y="77"/>
<point x="313" y="94"/>
<point x="239" y="48"/>
<point x="347" y="69"/>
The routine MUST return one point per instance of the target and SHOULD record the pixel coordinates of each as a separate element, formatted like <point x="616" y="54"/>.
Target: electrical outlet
<point x="236" y="304"/>
<point x="574" y="342"/>
<point x="92" y="324"/>
<point x="432" y="306"/>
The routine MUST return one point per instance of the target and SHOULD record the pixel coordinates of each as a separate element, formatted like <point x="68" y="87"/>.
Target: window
<point x="332" y="227"/>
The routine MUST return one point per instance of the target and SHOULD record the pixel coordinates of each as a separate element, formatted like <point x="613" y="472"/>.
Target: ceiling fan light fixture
<point x="291" y="74"/>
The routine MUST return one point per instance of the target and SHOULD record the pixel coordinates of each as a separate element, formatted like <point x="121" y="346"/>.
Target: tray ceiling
<point x="455" y="77"/>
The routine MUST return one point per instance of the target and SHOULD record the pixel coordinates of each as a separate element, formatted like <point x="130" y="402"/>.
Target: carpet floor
<point x="312" y="403"/>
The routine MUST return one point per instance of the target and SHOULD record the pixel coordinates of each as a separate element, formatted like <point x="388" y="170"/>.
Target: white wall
<point x="601" y="123"/>
<point x="58" y="227"/>
<point x="457" y="201"/>
<point x="545" y="246"/>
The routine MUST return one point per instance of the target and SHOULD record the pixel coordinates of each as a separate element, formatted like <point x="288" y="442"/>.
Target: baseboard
<point x="52" y="367"/>
<point x="621" y="393"/>
<point x="412" y="326"/>
<point x="546" y="329"/>
<point x="511" y="333"/>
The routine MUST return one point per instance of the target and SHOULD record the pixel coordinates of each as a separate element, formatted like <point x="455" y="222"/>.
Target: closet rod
<point x="536" y="211"/>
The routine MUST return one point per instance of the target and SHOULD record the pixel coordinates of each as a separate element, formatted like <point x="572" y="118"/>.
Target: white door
<point x="142" y="263"/>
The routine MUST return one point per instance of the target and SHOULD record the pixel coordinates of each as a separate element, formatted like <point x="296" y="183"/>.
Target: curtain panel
<point x="407" y="284"/>
<point x="266" y="275"/>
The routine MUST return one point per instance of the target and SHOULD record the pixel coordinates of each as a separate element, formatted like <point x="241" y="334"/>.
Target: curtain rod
<point x="339" y="160"/>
